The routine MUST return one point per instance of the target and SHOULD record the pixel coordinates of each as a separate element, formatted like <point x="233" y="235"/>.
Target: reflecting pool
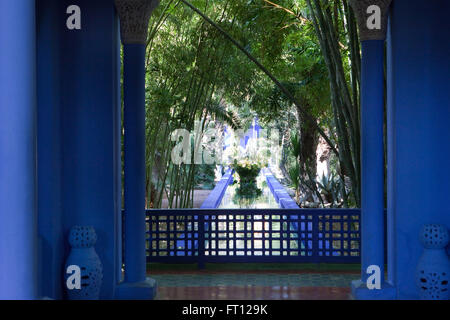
<point x="254" y="238"/>
<point x="266" y="200"/>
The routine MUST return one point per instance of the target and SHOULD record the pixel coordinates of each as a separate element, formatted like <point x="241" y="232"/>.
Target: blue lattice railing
<point x="245" y="235"/>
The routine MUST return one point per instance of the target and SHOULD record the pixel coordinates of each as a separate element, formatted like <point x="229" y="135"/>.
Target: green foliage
<point x="204" y="176"/>
<point x="294" y="175"/>
<point x="248" y="168"/>
<point x="295" y="145"/>
<point x="247" y="190"/>
<point x="193" y="73"/>
<point x="335" y="28"/>
<point x="247" y="173"/>
<point x="331" y="188"/>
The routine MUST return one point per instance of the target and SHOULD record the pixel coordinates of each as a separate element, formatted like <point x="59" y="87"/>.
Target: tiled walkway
<point x="254" y="286"/>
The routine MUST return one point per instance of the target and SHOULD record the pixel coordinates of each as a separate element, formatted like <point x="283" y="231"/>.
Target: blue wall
<point x="419" y="116"/>
<point x="51" y="236"/>
<point x="79" y="135"/>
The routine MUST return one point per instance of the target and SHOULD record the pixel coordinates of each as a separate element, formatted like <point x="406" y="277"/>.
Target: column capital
<point x="372" y="16"/>
<point x="134" y="16"/>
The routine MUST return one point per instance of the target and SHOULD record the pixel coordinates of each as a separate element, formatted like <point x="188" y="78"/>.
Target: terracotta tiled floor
<point x="253" y="293"/>
<point x="254" y="286"/>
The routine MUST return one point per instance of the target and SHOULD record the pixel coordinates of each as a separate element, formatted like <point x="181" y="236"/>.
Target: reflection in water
<point x="256" y="225"/>
<point x="265" y="201"/>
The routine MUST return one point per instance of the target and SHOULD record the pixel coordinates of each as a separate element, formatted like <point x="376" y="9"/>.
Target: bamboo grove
<point x="295" y="64"/>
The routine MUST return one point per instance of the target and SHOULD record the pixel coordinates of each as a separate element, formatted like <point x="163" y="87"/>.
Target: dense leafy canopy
<point x="292" y="63"/>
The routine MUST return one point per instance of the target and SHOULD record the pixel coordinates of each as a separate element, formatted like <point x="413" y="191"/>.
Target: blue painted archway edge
<point x="18" y="206"/>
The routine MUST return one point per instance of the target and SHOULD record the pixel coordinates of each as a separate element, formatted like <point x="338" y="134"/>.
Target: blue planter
<point x="433" y="269"/>
<point x="82" y="240"/>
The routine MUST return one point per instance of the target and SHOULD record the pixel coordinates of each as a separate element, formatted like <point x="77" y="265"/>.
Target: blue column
<point x="390" y="178"/>
<point x="18" y="227"/>
<point x="134" y="145"/>
<point x="134" y="16"/>
<point x="372" y="155"/>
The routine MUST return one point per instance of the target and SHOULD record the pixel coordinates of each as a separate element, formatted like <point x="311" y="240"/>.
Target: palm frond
<point x="219" y="112"/>
<point x="295" y="143"/>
